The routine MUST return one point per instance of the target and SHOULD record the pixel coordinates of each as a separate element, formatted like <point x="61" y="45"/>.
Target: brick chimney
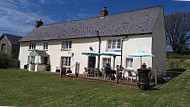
<point x="104" y="12"/>
<point x="38" y="23"/>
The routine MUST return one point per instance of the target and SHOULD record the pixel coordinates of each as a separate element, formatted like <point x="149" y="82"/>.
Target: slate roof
<point x="14" y="39"/>
<point x="40" y="52"/>
<point x="126" y="23"/>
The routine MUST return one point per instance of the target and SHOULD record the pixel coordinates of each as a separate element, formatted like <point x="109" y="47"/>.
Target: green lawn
<point x="21" y="88"/>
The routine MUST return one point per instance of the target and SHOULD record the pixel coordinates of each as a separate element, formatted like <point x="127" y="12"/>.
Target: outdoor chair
<point x="85" y="73"/>
<point x="127" y="75"/>
<point x="90" y="72"/>
<point x="96" y="72"/>
<point x="134" y="76"/>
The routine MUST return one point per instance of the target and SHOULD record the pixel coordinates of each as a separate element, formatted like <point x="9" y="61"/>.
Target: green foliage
<point x="20" y="88"/>
<point x="14" y="63"/>
<point x="172" y="55"/>
<point x="4" y="60"/>
<point x="178" y="63"/>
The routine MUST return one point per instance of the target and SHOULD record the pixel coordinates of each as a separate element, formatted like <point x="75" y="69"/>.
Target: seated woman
<point x="68" y="71"/>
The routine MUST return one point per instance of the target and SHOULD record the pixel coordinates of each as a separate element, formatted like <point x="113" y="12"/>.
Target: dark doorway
<point x="3" y="47"/>
<point x="45" y="60"/>
<point x="91" y="62"/>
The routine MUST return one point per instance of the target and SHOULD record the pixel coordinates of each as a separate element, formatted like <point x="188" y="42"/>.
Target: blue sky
<point x="18" y="16"/>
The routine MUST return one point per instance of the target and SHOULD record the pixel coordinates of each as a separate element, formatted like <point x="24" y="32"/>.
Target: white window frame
<point x="129" y="65"/>
<point x="108" y="60"/>
<point x="66" y="61"/>
<point x="32" y="46"/>
<point x="32" y="59"/>
<point x="45" y="46"/>
<point x="114" y="44"/>
<point x="66" y="45"/>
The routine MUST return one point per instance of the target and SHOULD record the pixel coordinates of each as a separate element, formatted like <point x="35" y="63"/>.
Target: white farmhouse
<point x="48" y="47"/>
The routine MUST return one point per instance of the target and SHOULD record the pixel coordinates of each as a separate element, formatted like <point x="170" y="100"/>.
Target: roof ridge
<point x="106" y="16"/>
<point x="11" y="35"/>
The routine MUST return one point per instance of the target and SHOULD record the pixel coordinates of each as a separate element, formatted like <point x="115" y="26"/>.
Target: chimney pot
<point x="39" y="23"/>
<point x="104" y="12"/>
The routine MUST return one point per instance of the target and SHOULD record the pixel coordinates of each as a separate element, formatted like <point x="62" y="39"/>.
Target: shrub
<point x="14" y="63"/>
<point x="4" y="60"/>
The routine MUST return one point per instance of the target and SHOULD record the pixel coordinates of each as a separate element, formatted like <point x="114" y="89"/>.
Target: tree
<point x="4" y="60"/>
<point x="177" y="31"/>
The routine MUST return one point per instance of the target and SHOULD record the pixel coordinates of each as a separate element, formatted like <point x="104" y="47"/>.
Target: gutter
<point x="122" y="49"/>
<point x="99" y="39"/>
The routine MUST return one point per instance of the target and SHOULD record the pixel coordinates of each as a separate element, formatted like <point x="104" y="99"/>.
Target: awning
<point x="141" y="54"/>
<point x="91" y="53"/>
<point x="110" y="54"/>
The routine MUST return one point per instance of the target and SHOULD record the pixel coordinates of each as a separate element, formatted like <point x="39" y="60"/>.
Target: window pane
<point x="63" y="45"/>
<point x="69" y="61"/>
<point x="66" y="44"/>
<point x="118" y="44"/>
<point x="129" y="63"/>
<point x="45" y="45"/>
<point x="106" y="61"/>
<point x="30" y="46"/>
<point x="66" y="61"/>
<point x="70" y="44"/>
<point x="109" y="44"/>
<point x="113" y="44"/>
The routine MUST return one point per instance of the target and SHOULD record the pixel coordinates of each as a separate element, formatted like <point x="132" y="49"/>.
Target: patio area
<point x="124" y="77"/>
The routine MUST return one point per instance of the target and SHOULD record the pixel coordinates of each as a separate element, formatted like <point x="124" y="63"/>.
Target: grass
<point x="21" y="88"/>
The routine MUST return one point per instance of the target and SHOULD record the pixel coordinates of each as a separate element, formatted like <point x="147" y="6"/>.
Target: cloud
<point x="51" y="1"/>
<point x="18" y="17"/>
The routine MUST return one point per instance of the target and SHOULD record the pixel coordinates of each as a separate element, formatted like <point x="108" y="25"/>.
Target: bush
<point x="4" y="60"/>
<point x="14" y="63"/>
<point x="172" y="55"/>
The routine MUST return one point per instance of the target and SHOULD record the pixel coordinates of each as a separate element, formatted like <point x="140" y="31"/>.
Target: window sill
<point x="130" y="69"/>
<point x="115" y="50"/>
<point x="65" y="49"/>
<point x="45" y="49"/>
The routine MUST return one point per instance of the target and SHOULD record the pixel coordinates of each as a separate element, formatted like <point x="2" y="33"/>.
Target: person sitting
<point x="107" y="70"/>
<point x="68" y="72"/>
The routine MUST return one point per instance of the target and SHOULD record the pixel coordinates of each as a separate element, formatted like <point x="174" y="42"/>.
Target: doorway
<point x="91" y="61"/>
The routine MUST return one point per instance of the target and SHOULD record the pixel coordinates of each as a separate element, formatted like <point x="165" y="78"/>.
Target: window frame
<point x="66" y="45"/>
<point x="114" y="44"/>
<point x="104" y="65"/>
<point x="46" y="46"/>
<point x="32" y="59"/>
<point x="131" y="63"/>
<point x="66" y="62"/>
<point x="32" y="46"/>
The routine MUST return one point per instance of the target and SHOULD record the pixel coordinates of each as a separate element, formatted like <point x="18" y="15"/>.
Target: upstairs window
<point x="114" y="44"/>
<point x="32" y="46"/>
<point x="66" y="45"/>
<point x="45" y="46"/>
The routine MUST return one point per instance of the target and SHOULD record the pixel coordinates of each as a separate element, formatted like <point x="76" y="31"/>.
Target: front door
<point x="91" y="62"/>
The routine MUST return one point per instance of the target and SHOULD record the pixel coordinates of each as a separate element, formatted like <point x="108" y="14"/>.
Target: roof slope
<point x="39" y="52"/>
<point x="132" y="22"/>
<point x="14" y="39"/>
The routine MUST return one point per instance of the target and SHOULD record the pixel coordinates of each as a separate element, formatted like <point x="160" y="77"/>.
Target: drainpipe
<point x="99" y="38"/>
<point x="122" y="49"/>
